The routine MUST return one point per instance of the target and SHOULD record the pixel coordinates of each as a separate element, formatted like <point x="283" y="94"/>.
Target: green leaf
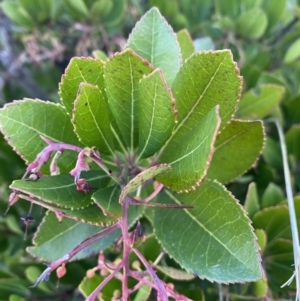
<point x="257" y="106"/>
<point x="78" y="6"/>
<point x="186" y="44"/>
<point x="22" y="123"/>
<point x="91" y="119"/>
<point x="251" y="203"/>
<point x="55" y="239"/>
<point x="88" y="285"/>
<point x="274" y="12"/>
<point x="16" y="298"/>
<point x="236" y="149"/>
<point x="32" y="273"/>
<point x="80" y="70"/>
<point x="13" y="224"/>
<point x="252" y="23"/>
<point x="92" y="214"/>
<point x="292" y="112"/>
<point x="60" y="190"/>
<point x="175" y="273"/>
<point x="214" y="240"/>
<point x="56" y="10"/>
<point x="141" y="178"/>
<point x="205" y="80"/>
<point x="272" y="196"/>
<point x="276" y="222"/>
<point x="253" y="67"/>
<point x="261" y="287"/>
<point x="14" y="286"/>
<point x="114" y="20"/>
<point x="143" y="293"/>
<point x="190" y="155"/>
<point x="122" y="75"/>
<point x="17" y="13"/>
<point x="293" y="141"/>
<point x="293" y="52"/>
<point x="99" y="54"/>
<point x="231" y="9"/>
<point x="108" y="200"/>
<point x="279" y="260"/>
<point x="261" y="239"/>
<point x="157" y="113"/>
<point x="272" y="153"/>
<point x="153" y="39"/>
<point x="101" y="8"/>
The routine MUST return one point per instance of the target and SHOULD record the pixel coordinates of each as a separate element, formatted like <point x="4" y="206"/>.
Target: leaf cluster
<point x="158" y="102"/>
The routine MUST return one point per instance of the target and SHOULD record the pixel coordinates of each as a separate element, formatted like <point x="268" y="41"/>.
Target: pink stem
<point x="154" y="193"/>
<point x="85" y="243"/>
<point x="126" y="249"/>
<point x="158" y="283"/>
<point x="97" y="290"/>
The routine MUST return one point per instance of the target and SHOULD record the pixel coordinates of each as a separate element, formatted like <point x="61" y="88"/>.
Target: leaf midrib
<point x="97" y="125"/>
<point x="205" y="229"/>
<point x="195" y="105"/>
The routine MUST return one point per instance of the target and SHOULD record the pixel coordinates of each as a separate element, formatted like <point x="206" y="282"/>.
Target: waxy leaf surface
<point x="122" y="75"/>
<point x="236" y="149"/>
<point x="141" y="178"/>
<point x="214" y="240"/>
<point x="190" y="155"/>
<point x="55" y="239"/>
<point x="153" y="39"/>
<point x="254" y="106"/>
<point x="278" y="264"/>
<point x="156" y="113"/>
<point x="22" y="123"/>
<point x="91" y="116"/>
<point x="247" y="24"/>
<point x="276" y="222"/>
<point x="252" y="202"/>
<point x="273" y="195"/>
<point x="108" y="200"/>
<point x="80" y="70"/>
<point x="186" y="44"/>
<point x="91" y="214"/>
<point x="205" y="80"/>
<point x="60" y="190"/>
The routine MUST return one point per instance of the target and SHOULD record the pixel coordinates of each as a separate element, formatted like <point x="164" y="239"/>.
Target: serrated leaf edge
<point x="173" y="100"/>
<point x="81" y="85"/>
<point x="28" y="100"/>
<point x="137" y="24"/>
<point x="212" y="149"/>
<point x="67" y="69"/>
<point x="190" y="39"/>
<point x="105" y="213"/>
<point x="144" y="61"/>
<point x="263" y="145"/>
<point x="252" y="231"/>
<point x="125" y="190"/>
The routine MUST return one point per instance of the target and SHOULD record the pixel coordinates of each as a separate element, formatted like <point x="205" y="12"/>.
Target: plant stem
<point x="85" y="243"/>
<point x="158" y="283"/>
<point x="154" y="193"/>
<point x="126" y="249"/>
<point x="292" y="212"/>
<point x="97" y="290"/>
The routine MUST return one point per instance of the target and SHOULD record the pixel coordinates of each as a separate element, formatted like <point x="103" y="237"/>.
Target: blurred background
<point x="39" y="37"/>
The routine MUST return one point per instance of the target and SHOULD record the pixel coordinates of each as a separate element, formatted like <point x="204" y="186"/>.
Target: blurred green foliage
<point x="264" y="38"/>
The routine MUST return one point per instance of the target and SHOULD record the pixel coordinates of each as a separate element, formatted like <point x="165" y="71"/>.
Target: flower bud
<point x="61" y="271"/>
